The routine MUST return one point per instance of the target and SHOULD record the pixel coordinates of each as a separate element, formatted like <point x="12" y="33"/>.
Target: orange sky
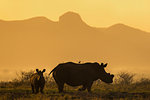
<point x="97" y="13"/>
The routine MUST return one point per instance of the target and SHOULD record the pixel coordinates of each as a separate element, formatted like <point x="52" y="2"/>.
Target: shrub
<point x="22" y="79"/>
<point x="124" y="81"/>
<point x="125" y="78"/>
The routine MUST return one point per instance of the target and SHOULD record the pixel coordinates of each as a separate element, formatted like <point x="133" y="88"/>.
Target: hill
<point x="39" y="41"/>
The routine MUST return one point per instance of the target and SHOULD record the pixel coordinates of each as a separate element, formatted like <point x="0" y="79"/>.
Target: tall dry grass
<point x="124" y="87"/>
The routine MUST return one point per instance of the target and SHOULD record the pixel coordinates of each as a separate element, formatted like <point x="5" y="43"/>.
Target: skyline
<point x="36" y="43"/>
<point x="95" y="13"/>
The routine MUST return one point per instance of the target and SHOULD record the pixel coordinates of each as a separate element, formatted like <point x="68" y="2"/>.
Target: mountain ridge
<point x="72" y="16"/>
<point x="41" y="41"/>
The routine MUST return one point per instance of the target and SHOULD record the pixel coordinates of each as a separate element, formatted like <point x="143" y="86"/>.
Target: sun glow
<point x="97" y="13"/>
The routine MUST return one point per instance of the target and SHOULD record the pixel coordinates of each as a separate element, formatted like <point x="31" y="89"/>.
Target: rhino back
<point x="75" y="74"/>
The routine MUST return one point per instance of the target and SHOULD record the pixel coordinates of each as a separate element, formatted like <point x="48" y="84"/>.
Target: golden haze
<point x="99" y="13"/>
<point x="41" y="43"/>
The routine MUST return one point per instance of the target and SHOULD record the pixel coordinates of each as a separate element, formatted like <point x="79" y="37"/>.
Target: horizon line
<point x="44" y="17"/>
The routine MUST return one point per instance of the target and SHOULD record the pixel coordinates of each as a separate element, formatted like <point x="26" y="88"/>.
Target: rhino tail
<point x="53" y="70"/>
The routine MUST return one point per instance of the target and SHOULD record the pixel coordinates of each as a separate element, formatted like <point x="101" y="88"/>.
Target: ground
<point x="52" y="94"/>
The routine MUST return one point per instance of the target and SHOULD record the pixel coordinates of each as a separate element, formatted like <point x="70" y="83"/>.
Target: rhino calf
<point x="80" y="74"/>
<point x="37" y="81"/>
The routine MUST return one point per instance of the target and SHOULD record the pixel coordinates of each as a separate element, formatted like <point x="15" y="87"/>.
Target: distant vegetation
<point x="124" y="86"/>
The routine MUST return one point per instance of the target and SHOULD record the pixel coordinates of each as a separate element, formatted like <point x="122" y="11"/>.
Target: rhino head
<point x="103" y="75"/>
<point x="40" y="74"/>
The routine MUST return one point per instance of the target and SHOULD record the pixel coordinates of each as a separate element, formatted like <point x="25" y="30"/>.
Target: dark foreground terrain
<point x="25" y="94"/>
<point x="124" y="87"/>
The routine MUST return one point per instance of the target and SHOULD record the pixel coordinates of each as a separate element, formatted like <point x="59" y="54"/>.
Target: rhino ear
<point x="44" y="70"/>
<point x="37" y="70"/>
<point x="102" y="64"/>
<point x="105" y="65"/>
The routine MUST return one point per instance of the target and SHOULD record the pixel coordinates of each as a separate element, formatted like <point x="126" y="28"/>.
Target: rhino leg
<point x="83" y="88"/>
<point x="89" y="86"/>
<point x="32" y="88"/>
<point x="60" y="83"/>
<point x="41" y="89"/>
<point x="37" y="88"/>
<point x="60" y="87"/>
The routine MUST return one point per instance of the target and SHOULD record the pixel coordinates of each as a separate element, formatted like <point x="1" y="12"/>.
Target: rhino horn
<point x="112" y="75"/>
<point x="105" y="65"/>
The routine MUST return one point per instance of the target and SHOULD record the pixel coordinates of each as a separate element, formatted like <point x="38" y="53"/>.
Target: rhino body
<point x="37" y="81"/>
<point x="80" y="74"/>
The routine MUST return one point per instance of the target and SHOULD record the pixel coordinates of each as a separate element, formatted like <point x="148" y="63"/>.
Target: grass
<point x="123" y="88"/>
<point x="51" y="94"/>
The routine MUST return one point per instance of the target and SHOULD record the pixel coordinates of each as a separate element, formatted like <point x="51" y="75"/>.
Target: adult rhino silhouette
<point x="80" y="74"/>
<point x="37" y="81"/>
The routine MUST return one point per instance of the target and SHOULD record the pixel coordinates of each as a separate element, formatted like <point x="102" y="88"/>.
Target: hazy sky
<point x="99" y="13"/>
